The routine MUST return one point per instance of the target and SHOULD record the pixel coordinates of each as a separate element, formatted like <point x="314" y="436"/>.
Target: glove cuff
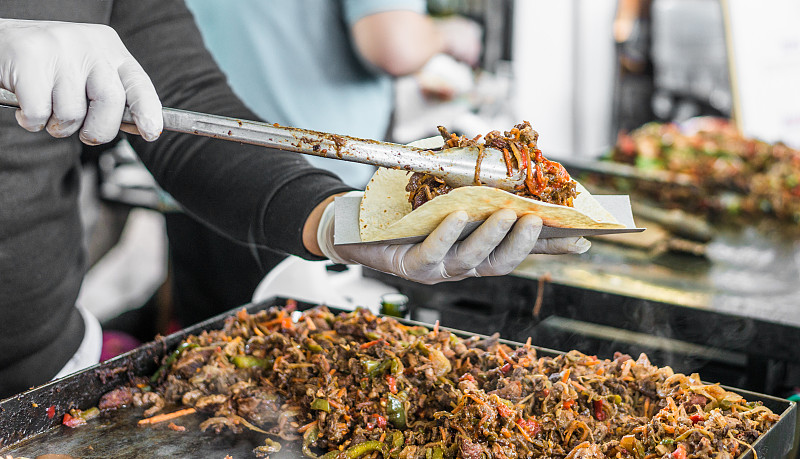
<point x="325" y="232"/>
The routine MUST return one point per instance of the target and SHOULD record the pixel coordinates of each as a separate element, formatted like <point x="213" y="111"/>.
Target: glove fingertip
<point x="150" y="128"/>
<point x="581" y="246"/>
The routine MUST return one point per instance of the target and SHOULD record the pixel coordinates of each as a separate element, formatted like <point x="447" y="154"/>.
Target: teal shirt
<point x="293" y="63"/>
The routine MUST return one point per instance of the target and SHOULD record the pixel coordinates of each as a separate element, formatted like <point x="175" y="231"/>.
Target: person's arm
<point x="400" y="42"/>
<point x="257" y="195"/>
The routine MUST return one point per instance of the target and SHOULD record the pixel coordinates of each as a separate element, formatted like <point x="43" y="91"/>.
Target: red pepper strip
<point x="507" y="159"/>
<point x="598" y="410"/>
<point x="528" y="172"/>
<point x="539" y="172"/>
<point x="370" y="344"/>
<point x="537" y="154"/>
<point x="392" y="381"/>
<point x="530" y="426"/>
<point x="505" y="411"/>
<point x="376" y="420"/>
<point x="72" y="422"/>
<point x="51" y="411"/>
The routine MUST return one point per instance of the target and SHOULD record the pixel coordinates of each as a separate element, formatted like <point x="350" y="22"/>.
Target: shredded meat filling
<point x="545" y="180"/>
<point x="358" y="385"/>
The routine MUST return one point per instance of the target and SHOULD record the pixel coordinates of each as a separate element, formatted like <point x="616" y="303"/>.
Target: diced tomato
<point x="568" y="404"/>
<point x="51" y="411"/>
<point x="679" y="453"/>
<point x="376" y="420"/>
<point x="599" y="414"/>
<point x="72" y="422"/>
<point x="392" y="381"/>
<point x="696" y="418"/>
<point x="505" y="411"/>
<point x="505" y="368"/>
<point x="530" y="426"/>
<point x="467" y="376"/>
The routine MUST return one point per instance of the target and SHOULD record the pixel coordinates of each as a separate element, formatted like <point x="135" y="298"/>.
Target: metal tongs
<point x="457" y="166"/>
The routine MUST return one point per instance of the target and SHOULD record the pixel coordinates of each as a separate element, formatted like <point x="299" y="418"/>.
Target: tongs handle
<point x="456" y="170"/>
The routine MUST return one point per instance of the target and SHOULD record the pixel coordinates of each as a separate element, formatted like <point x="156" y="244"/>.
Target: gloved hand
<point x="495" y="248"/>
<point x="75" y="76"/>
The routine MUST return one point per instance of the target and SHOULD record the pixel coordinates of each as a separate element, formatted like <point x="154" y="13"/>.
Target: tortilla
<point x="386" y="213"/>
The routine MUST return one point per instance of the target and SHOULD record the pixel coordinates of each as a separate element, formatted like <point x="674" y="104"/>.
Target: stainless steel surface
<point x="575" y="165"/>
<point x="455" y="166"/>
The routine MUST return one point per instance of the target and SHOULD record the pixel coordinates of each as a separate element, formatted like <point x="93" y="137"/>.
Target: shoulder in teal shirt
<point x="293" y="63"/>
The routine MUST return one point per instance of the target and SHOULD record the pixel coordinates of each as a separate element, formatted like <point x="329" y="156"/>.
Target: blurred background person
<point x="322" y="65"/>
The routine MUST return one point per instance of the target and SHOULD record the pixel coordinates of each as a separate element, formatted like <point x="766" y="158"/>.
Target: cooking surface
<point x="746" y="273"/>
<point x="118" y="435"/>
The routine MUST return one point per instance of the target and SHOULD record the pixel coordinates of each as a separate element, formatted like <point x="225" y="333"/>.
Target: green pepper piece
<point x="395" y="411"/>
<point x="372" y="336"/>
<point x="640" y="448"/>
<point x="434" y="453"/>
<point x="376" y="370"/>
<point x="331" y="455"/>
<point x="310" y="437"/>
<point x="170" y="360"/>
<point x="270" y="447"/>
<point x="423" y="349"/>
<point x="725" y="404"/>
<point x="397" y="444"/>
<point x="249" y="361"/>
<point x="668" y="441"/>
<point x="90" y="413"/>
<point x="321" y="404"/>
<point x="314" y="347"/>
<point x="366" y="447"/>
<point x="418" y="331"/>
<point x="370" y="365"/>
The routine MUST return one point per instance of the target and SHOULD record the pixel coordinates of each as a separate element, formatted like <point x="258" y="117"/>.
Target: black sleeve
<point x="253" y="194"/>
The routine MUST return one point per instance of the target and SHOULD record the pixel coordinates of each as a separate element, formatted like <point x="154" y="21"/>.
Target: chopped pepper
<point x="309" y="438"/>
<point x="249" y="361"/>
<point x="170" y="360"/>
<point x="599" y="413"/>
<point x="395" y="411"/>
<point x="321" y="404"/>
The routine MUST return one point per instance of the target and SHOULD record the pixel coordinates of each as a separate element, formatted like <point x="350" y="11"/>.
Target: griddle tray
<point x="27" y="430"/>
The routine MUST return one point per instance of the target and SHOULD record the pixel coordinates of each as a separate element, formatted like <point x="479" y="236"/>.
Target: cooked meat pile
<point x="755" y="177"/>
<point x="545" y="180"/>
<point x="356" y="385"/>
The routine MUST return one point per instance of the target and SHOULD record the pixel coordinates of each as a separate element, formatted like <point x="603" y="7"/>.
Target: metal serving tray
<point x="27" y="430"/>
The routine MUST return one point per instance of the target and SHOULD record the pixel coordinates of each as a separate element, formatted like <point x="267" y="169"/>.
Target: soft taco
<point x="401" y="204"/>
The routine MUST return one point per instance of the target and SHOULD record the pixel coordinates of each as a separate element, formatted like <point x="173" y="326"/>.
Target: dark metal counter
<point x="733" y="314"/>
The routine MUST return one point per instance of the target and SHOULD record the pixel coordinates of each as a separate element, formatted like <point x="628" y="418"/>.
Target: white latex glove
<point x="491" y="250"/>
<point x="70" y="76"/>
